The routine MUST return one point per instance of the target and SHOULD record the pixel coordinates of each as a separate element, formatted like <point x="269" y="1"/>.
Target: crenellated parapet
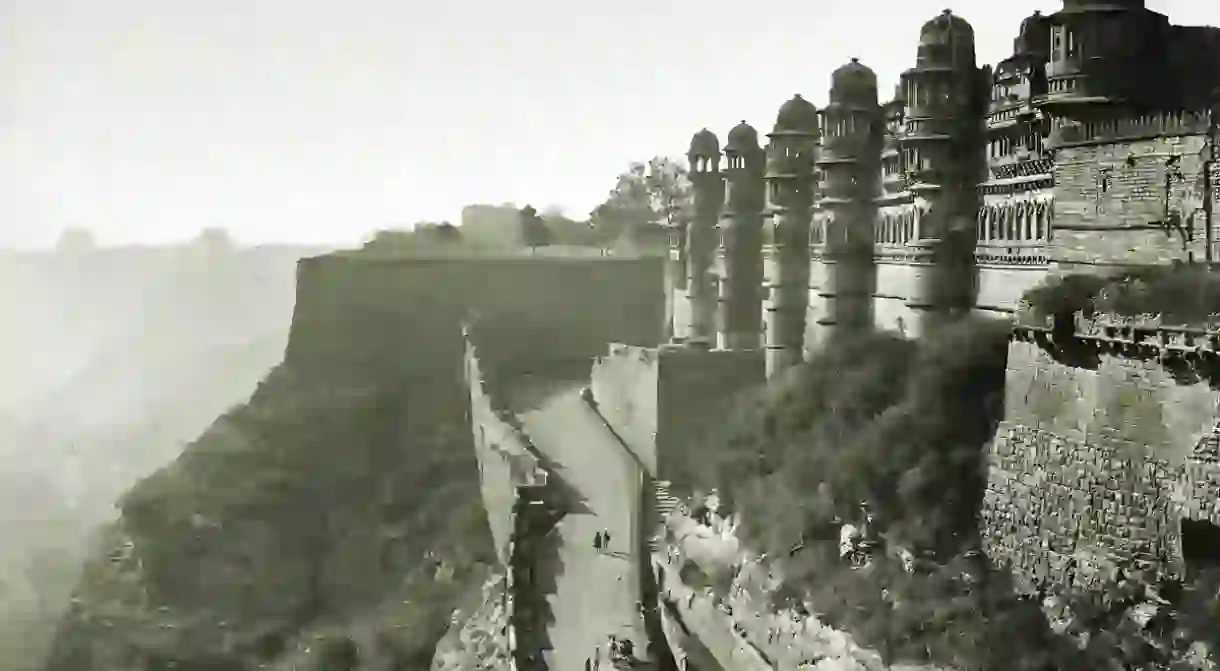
<point x="1125" y="125"/>
<point x="1107" y="455"/>
<point x="523" y="503"/>
<point x="1142" y="336"/>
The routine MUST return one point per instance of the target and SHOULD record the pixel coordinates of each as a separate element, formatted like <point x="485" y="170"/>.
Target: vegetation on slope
<point x="352" y="510"/>
<point x="902" y="426"/>
<point x="114" y="359"/>
<point x="1180" y="295"/>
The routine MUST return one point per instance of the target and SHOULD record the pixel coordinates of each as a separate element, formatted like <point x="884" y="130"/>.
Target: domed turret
<point x="704" y="144"/>
<point x="797" y="116"/>
<point x="1084" y="4"/>
<point x="946" y="41"/>
<point x="1035" y="36"/>
<point x="742" y="139"/>
<point x="853" y="84"/>
<point x="945" y="29"/>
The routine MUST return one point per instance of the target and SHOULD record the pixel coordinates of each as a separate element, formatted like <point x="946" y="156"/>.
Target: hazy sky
<point x="317" y="120"/>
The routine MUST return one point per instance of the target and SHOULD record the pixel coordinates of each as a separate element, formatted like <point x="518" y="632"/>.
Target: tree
<point x="656" y="193"/>
<point x="76" y="241"/>
<point x="534" y="231"/>
<point x="443" y="232"/>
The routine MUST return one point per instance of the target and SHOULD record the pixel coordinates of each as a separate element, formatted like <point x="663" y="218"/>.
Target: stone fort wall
<point x="1096" y="466"/>
<point x="408" y="311"/>
<point x="663" y="401"/>
<point x="1108" y="194"/>
<point x="505" y="460"/>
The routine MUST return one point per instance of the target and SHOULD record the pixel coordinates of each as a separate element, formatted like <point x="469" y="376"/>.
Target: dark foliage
<point x="425" y="235"/>
<point x="1181" y="294"/>
<point x="304" y="469"/>
<point x="534" y="230"/>
<point x="901" y="426"/>
<point x="1065" y="295"/>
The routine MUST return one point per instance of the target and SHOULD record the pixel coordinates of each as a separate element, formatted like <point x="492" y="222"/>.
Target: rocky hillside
<point x="332" y="506"/>
<point x="113" y="360"/>
<point x="335" y="519"/>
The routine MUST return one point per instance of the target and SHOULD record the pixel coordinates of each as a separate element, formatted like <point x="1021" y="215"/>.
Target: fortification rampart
<point x="1131" y="202"/>
<point x="661" y="401"/>
<point x="408" y="311"/>
<point x="625" y="384"/>
<point x="1107" y="446"/>
<point x="506" y="462"/>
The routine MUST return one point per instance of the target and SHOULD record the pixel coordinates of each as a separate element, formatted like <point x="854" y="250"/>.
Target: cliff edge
<point x="337" y="515"/>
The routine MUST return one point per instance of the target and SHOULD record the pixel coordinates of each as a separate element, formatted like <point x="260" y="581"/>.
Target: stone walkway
<point x="597" y="593"/>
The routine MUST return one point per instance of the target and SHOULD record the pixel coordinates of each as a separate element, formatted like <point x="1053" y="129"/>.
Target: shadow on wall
<point x="536" y="567"/>
<point x="409" y="312"/>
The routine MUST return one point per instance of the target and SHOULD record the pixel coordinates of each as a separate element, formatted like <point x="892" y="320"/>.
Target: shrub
<point x="902" y="426"/>
<point x="1181" y="294"/>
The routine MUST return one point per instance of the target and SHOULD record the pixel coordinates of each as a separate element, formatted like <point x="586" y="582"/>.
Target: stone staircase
<point x="664" y="504"/>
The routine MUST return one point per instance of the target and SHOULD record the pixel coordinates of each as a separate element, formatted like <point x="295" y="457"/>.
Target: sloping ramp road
<point x="597" y="593"/>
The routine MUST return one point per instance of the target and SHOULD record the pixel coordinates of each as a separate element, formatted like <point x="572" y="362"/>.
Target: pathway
<point x="597" y="593"/>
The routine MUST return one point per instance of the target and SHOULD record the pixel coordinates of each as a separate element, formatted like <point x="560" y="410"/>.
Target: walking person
<point x="597" y="541"/>
<point x="606" y="539"/>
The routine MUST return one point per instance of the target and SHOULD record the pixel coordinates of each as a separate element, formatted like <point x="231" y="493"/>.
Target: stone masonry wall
<point x="695" y="388"/>
<point x="1001" y="287"/>
<point x="662" y="401"/>
<point x="505" y="463"/>
<point x="1093" y="467"/>
<point x="624" y="382"/>
<point x="407" y="312"/>
<point x="1106" y="195"/>
<point x="890" y="310"/>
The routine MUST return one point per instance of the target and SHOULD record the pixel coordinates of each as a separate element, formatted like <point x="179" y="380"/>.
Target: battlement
<point x="1121" y="127"/>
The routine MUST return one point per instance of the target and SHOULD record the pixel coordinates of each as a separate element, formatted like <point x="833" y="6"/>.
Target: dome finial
<point x="855" y="60"/>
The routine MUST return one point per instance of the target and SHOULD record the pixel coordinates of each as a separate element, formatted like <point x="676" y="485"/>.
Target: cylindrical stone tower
<point x="741" y="276"/>
<point x="677" y="302"/>
<point x="790" y="176"/>
<point x="849" y="162"/>
<point x="708" y="185"/>
<point x="942" y="142"/>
